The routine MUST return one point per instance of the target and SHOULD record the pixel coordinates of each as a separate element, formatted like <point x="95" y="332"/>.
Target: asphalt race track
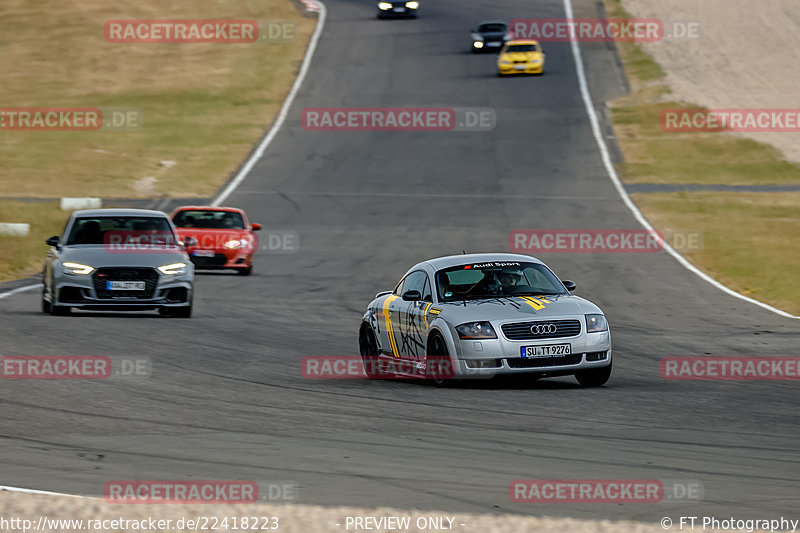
<point x="227" y="401"/>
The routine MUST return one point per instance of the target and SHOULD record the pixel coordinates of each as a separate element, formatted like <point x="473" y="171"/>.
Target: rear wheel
<point x="595" y="377"/>
<point x="370" y="354"/>
<point x="438" y="366"/>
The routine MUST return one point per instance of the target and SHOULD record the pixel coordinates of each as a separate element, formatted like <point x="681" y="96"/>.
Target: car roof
<point x="503" y="22"/>
<point x="465" y="259"/>
<point x="522" y="41"/>
<point x="119" y="212"/>
<point x="207" y="208"/>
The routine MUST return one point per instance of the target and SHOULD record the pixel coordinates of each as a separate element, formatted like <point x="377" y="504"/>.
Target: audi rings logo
<point x="543" y="329"/>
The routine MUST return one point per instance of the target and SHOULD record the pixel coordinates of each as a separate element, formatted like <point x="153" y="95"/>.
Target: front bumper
<point x="524" y="68"/>
<point x="486" y="358"/>
<point x="398" y="10"/>
<point x="222" y="259"/>
<point x="487" y="46"/>
<point x="84" y="292"/>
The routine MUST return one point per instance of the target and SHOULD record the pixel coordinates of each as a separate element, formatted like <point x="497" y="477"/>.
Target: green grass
<point x="203" y="105"/>
<point x="745" y="238"/>
<point x="745" y="234"/>
<point x="23" y="256"/>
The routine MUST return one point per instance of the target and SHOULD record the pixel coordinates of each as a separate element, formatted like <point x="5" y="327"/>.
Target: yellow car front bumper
<point x="520" y="68"/>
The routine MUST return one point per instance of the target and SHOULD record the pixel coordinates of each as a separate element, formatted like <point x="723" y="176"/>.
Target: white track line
<point x="612" y="173"/>
<point x="317" y="6"/>
<point x="15" y="291"/>
<point x="34" y="491"/>
<point x="248" y="166"/>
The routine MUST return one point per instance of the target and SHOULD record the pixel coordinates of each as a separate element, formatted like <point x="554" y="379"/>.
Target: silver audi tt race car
<point x="482" y="315"/>
<point x="118" y="259"/>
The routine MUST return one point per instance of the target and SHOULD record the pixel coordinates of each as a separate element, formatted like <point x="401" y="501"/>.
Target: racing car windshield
<point x="209" y="219"/>
<point x="522" y="48"/>
<point x="492" y="28"/>
<point x="110" y="230"/>
<point x="496" y="280"/>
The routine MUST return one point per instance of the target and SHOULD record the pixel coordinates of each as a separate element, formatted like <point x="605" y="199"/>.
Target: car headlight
<point x="412" y="5"/>
<point x="235" y="243"/>
<point x="505" y="62"/>
<point x="478" y="44"/>
<point x="476" y="330"/>
<point x="77" y="268"/>
<point x="384" y="5"/>
<point x="174" y="268"/>
<point x="596" y="323"/>
<point x="536" y="61"/>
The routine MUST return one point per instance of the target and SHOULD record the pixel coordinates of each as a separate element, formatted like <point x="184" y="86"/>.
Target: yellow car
<point x="520" y="56"/>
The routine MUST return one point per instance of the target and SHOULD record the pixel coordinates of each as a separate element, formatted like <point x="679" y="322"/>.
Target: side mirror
<point x="53" y="241"/>
<point x="256" y="227"/>
<point x="188" y="242"/>
<point x="570" y="285"/>
<point x="412" y="296"/>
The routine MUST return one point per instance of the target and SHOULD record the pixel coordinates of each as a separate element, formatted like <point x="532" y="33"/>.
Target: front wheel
<point x="438" y="365"/>
<point x="45" y="304"/>
<point x="370" y="354"/>
<point x="595" y="377"/>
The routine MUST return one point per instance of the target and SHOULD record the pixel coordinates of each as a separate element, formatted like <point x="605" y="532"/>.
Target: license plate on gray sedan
<point x="125" y="285"/>
<point x="548" y="350"/>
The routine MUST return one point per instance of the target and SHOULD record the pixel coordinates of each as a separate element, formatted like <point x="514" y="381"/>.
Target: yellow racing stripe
<point x="388" y="320"/>
<point x="533" y="302"/>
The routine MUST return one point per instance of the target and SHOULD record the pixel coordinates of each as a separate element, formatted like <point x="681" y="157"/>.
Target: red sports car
<point x="217" y="238"/>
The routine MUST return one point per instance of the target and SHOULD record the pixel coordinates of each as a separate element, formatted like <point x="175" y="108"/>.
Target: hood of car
<point x="99" y="256"/>
<point x="514" y="308"/>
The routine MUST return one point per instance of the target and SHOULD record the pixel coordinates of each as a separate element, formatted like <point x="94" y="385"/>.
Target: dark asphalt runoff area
<point x="226" y="399"/>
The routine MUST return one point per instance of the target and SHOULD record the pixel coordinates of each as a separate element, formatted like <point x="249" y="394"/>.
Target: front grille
<point x="148" y="275"/>
<point x="521" y="331"/>
<point x="209" y="262"/>
<point x="538" y="362"/>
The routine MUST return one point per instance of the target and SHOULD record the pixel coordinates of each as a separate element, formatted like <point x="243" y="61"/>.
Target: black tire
<point x="45" y="304"/>
<point x="370" y="354"/>
<point x="438" y="365"/>
<point x="596" y="377"/>
<point x="245" y="271"/>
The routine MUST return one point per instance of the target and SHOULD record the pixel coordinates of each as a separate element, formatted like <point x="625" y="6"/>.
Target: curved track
<point x="227" y="401"/>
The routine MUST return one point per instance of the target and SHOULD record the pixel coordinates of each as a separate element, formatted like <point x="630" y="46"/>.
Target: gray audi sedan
<point x="482" y="315"/>
<point x="118" y="259"/>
